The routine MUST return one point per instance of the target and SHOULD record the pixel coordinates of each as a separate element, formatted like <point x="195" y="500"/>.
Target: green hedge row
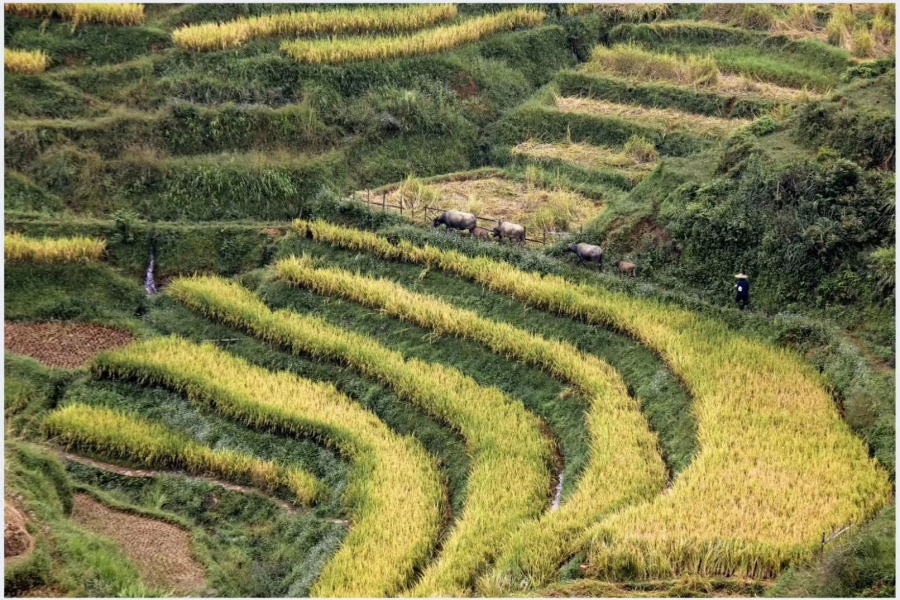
<point x="179" y="130"/>
<point x="660" y="95"/>
<point x="223" y="248"/>
<point x="212" y="187"/>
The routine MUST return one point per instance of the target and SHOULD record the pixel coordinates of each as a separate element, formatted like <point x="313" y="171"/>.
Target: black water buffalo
<point x="455" y="219"/>
<point x="587" y="252"/>
<point x="509" y="230"/>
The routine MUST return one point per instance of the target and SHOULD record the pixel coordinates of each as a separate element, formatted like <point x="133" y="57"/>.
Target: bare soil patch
<point x="162" y="552"/>
<point x="17" y="542"/>
<point x="65" y="345"/>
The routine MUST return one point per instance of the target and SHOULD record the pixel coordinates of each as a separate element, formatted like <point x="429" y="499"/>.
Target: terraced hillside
<point x="270" y="356"/>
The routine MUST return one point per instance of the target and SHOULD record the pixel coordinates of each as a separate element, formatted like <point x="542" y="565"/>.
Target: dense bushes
<point x="864" y="134"/>
<point x="799" y="228"/>
<point x="228" y="186"/>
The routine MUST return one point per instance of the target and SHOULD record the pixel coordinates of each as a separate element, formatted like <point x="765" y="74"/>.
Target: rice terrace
<point x="449" y="300"/>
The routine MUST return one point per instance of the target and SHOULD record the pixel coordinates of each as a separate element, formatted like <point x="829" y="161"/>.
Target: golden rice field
<point x="343" y="50"/>
<point x="395" y="489"/>
<point x="501" y="436"/>
<point x="777" y="467"/>
<point x="587" y="156"/>
<point x="625" y="466"/>
<point x="234" y="34"/>
<point x="18" y="248"/>
<point x="27" y="62"/>
<point x="155" y="445"/>
<point x="670" y="119"/>
<point x="107" y="14"/>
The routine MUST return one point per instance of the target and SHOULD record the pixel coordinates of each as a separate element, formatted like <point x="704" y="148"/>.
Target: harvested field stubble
<point x="162" y="552"/>
<point x="501" y="436"/>
<point x="777" y="469"/>
<point x="62" y="345"/>
<point x="507" y="200"/>
<point x="586" y="155"/>
<point x="667" y="118"/>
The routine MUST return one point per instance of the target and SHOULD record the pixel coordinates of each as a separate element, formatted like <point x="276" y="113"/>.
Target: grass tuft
<point x="29" y="62"/>
<point x="18" y="248"/>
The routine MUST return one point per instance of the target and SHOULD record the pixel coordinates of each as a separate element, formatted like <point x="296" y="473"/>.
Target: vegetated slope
<point x="122" y="120"/>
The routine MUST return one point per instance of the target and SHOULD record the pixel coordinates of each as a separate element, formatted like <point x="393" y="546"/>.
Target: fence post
<point x="383" y="201"/>
<point x="368" y="196"/>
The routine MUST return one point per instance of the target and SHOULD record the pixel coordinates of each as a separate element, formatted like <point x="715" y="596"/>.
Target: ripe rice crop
<point x="221" y="36"/>
<point x="18" y="248"/>
<point x="155" y="445"/>
<point x="628" y="12"/>
<point x="625" y="465"/>
<point x="430" y="41"/>
<point x="668" y="118"/>
<point x="395" y="488"/>
<point x="27" y="62"/>
<point x="501" y="436"/>
<point x="107" y="14"/>
<point x="777" y="468"/>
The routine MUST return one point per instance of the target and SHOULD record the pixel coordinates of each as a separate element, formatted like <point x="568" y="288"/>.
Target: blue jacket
<point x="743" y="288"/>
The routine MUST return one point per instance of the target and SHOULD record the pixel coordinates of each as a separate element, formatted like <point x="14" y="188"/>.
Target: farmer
<point x="743" y="291"/>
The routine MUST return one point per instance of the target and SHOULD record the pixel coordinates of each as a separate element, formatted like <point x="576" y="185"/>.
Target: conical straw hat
<point x="741" y="276"/>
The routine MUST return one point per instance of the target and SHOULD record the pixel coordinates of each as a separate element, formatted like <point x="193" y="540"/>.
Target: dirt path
<point x="162" y="552"/>
<point x="147" y="473"/>
<point x="65" y="345"/>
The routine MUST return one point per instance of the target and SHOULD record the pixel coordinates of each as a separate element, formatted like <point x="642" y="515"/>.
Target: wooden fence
<point x="429" y="213"/>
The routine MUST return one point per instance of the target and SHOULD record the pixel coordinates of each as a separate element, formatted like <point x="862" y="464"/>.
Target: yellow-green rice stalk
<point x="18" y="248"/>
<point x="155" y="445"/>
<point x="429" y="41"/>
<point x="395" y="489"/>
<point x="625" y="465"/>
<point x="503" y="439"/>
<point x="777" y="467"/>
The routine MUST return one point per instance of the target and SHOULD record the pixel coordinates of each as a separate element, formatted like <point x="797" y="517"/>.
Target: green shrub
<point x="22" y="194"/>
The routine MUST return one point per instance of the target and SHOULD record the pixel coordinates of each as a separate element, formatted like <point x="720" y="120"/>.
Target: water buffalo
<point x="626" y="268"/>
<point x="481" y="233"/>
<point x="455" y="219"/>
<point x="587" y="252"/>
<point x="509" y="230"/>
